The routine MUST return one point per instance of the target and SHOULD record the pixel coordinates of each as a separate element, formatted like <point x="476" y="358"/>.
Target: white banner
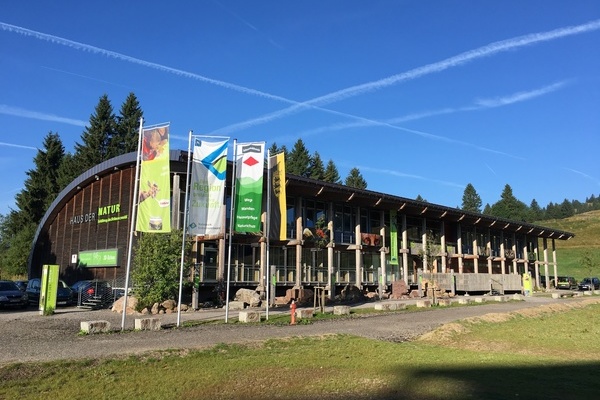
<point x="207" y="189"/>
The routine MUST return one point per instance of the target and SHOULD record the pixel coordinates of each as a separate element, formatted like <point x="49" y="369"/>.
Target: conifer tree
<point x="317" y="170"/>
<point x="471" y="200"/>
<point x="125" y="139"/>
<point x="355" y="179"/>
<point x="96" y="138"/>
<point x="298" y="160"/>
<point x="331" y="173"/>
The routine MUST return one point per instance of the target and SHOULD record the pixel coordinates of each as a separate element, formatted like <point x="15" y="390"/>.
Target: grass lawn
<point x="549" y="353"/>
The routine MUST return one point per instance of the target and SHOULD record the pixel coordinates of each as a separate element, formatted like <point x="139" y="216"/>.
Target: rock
<point x="250" y="297"/>
<point x="131" y="305"/>
<point x="169" y="304"/>
<point x="351" y="294"/>
<point x="155" y="308"/>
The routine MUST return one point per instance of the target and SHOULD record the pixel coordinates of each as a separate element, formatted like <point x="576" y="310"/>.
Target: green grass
<point x="529" y="355"/>
<point x="570" y="253"/>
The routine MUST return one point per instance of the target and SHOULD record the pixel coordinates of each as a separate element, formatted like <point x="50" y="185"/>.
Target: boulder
<point x="250" y="297"/>
<point x="131" y="305"/>
<point x="169" y="304"/>
<point x="351" y="294"/>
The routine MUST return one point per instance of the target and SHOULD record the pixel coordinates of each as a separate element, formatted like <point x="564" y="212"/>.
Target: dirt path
<point x="27" y="336"/>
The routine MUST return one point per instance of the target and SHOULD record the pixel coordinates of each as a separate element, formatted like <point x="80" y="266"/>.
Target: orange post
<point x="293" y="313"/>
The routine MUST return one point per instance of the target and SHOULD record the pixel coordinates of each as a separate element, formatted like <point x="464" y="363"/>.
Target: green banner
<point x="154" y="198"/>
<point x="99" y="258"/>
<point x="249" y="186"/>
<point x="393" y="238"/>
<point x="49" y="289"/>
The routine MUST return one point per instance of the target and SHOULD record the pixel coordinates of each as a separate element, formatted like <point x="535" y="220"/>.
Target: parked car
<point x="12" y="296"/>
<point x="64" y="294"/>
<point x="92" y="294"/>
<point x="589" y="284"/>
<point x="22" y="285"/>
<point x="566" y="282"/>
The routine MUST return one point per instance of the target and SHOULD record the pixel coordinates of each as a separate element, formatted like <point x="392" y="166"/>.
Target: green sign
<point x="99" y="258"/>
<point x="49" y="289"/>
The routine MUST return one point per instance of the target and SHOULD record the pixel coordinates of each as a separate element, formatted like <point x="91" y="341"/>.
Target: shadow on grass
<point x="567" y="381"/>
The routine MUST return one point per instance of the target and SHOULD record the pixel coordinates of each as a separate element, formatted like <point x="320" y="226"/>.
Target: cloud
<point x="19" y="112"/>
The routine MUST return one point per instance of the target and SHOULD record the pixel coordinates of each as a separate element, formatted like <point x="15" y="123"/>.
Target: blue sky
<point x="422" y="96"/>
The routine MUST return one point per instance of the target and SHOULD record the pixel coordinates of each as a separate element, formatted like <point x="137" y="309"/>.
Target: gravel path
<point x="27" y="336"/>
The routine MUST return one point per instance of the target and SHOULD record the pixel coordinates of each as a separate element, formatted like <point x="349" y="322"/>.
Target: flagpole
<point x="185" y="216"/>
<point x="134" y="204"/>
<point x="267" y="227"/>
<point x="231" y="215"/>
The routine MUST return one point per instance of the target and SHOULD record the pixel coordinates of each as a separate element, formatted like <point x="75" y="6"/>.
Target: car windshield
<point x="5" y="286"/>
<point x="586" y="280"/>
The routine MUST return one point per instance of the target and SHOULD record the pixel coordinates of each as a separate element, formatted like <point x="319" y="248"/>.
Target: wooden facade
<point x="93" y="214"/>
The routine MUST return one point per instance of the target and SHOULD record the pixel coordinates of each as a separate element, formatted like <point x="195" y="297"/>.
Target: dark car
<point x="589" y="284"/>
<point x="92" y="294"/>
<point x="12" y="296"/>
<point x="64" y="294"/>
<point x="566" y="282"/>
<point x="22" y="285"/>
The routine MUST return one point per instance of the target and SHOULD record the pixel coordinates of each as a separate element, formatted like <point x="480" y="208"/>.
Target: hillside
<point x="570" y="253"/>
<point x="586" y="228"/>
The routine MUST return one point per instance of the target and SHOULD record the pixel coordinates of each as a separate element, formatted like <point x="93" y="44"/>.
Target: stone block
<point x="95" y="326"/>
<point x="341" y="310"/>
<point x="444" y="302"/>
<point x="500" y="299"/>
<point x="400" y="306"/>
<point x="596" y="292"/>
<point x="556" y="295"/>
<point x="385" y="306"/>
<point x="236" y="305"/>
<point x="464" y="301"/>
<point x="249" y="316"/>
<point x="479" y="300"/>
<point x="423" y="303"/>
<point x="147" y="324"/>
<point x="304" y="313"/>
<point x="518" y="296"/>
<point x="587" y="293"/>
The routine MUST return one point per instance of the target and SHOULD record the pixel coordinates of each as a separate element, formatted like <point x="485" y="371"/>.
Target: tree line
<point x="510" y="207"/>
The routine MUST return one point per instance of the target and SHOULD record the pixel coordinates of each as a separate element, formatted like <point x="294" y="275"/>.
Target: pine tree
<point x="420" y="198"/>
<point x="317" y="170"/>
<point x="125" y="139"/>
<point x="535" y="211"/>
<point x="96" y="138"/>
<point x="40" y="189"/>
<point x="471" y="200"/>
<point x="276" y="150"/>
<point x="510" y="207"/>
<point x="298" y="160"/>
<point x="331" y="173"/>
<point x="355" y="179"/>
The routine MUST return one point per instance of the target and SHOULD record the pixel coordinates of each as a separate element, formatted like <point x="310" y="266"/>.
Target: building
<point x="336" y="235"/>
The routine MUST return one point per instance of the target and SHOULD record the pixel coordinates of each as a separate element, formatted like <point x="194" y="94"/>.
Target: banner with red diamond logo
<point x="249" y="185"/>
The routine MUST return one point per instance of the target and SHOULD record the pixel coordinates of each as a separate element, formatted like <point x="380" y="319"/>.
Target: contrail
<point x="411" y="176"/>
<point x="596" y="180"/>
<point x="112" y="54"/>
<point x="19" y="112"/>
<point x="20" y="146"/>
<point x="480" y="105"/>
<point x="455" y="61"/>
<point x="460" y="59"/>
